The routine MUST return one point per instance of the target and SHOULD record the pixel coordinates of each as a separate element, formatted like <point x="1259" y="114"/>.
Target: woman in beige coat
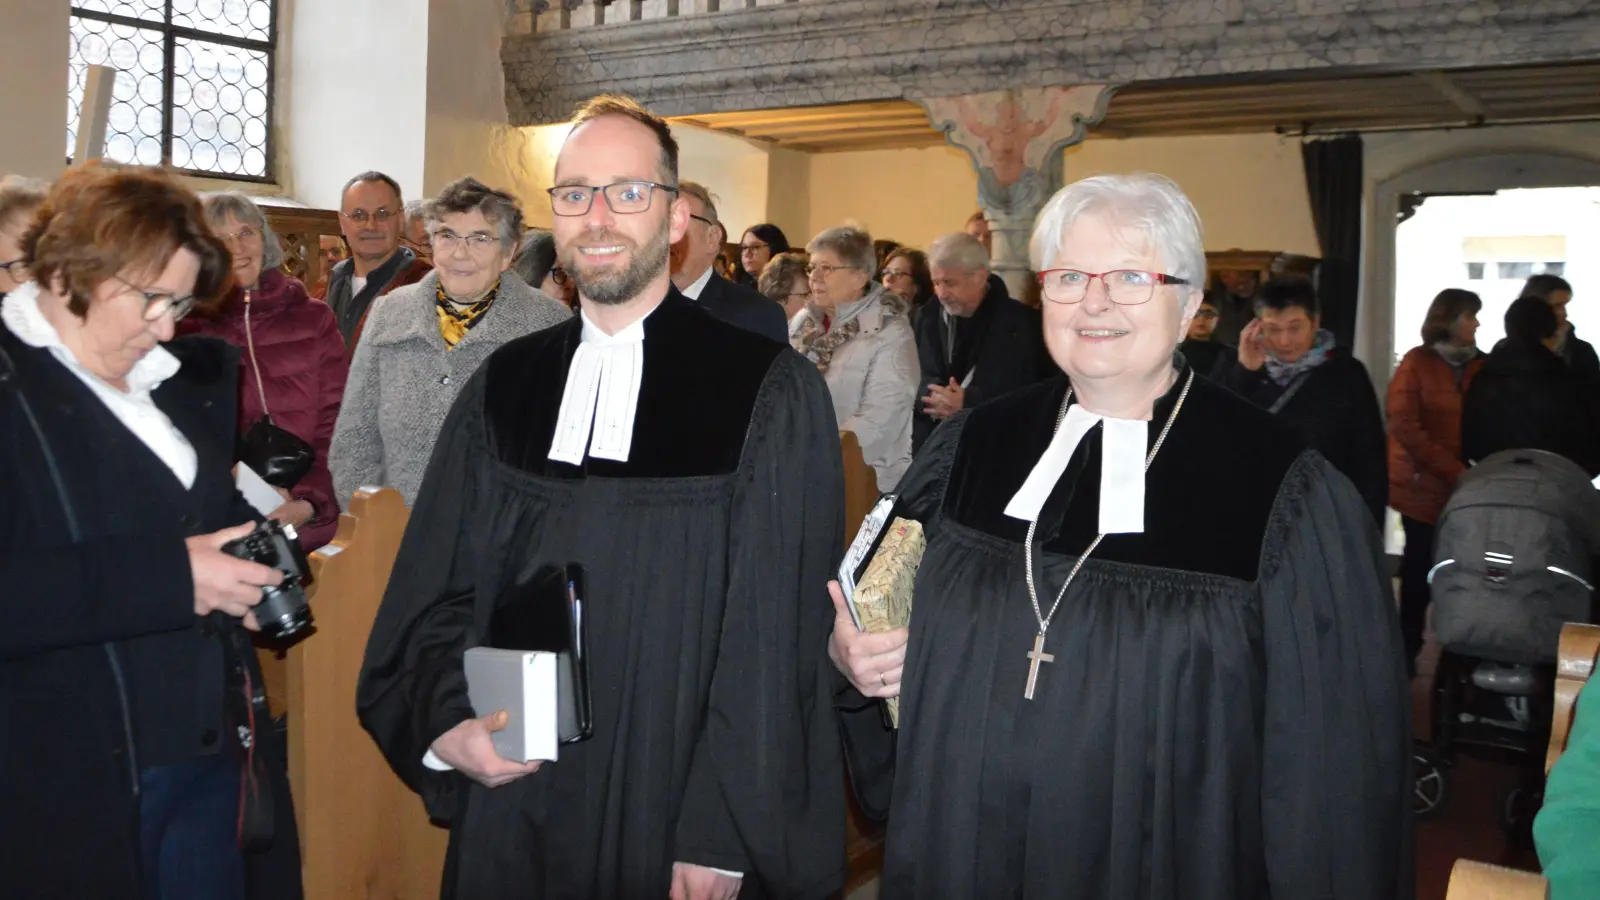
<point x="858" y="335"/>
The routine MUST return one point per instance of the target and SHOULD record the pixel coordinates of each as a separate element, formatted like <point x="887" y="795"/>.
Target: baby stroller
<point x="1514" y="560"/>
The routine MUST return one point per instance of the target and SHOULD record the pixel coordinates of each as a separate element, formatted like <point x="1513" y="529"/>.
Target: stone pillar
<point x="1015" y="139"/>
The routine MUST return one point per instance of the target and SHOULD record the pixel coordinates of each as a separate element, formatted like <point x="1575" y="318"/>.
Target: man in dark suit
<point x="976" y="343"/>
<point x="694" y="276"/>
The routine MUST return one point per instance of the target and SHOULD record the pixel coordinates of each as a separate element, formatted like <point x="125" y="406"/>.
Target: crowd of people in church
<point x="1168" y="483"/>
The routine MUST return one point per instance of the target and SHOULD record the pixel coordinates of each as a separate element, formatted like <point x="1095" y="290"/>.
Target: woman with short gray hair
<point x="421" y="342"/>
<point x="857" y="334"/>
<point x="1128" y="680"/>
<point x="292" y="359"/>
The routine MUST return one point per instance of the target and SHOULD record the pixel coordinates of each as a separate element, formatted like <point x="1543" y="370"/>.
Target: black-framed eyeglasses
<point x="361" y="217"/>
<point x="703" y="219"/>
<point x="11" y="268"/>
<point x="559" y="276"/>
<point x="625" y="198"/>
<point x="160" y="303"/>
<point x="746" y="248"/>
<point x="1125" y="287"/>
<point x="1204" y="313"/>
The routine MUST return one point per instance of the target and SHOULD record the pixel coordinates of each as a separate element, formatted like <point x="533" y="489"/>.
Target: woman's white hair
<point x="1152" y="204"/>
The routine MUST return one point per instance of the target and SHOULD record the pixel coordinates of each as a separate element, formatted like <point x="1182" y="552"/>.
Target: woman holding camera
<point x="121" y="754"/>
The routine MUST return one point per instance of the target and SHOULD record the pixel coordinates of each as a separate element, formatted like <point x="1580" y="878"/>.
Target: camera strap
<point x="12" y="378"/>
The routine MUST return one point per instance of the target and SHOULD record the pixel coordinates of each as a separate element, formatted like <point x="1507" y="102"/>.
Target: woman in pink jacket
<point x="294" y="343"/>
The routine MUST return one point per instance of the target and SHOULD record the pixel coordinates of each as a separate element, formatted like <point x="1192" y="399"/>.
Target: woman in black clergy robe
<point x="1220" y="707"/>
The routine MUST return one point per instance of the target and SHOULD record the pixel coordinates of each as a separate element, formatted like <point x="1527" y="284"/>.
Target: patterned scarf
<point x="817" y="343"/>
<point x="1282" y="373"/>
<point x="454" y="322"/>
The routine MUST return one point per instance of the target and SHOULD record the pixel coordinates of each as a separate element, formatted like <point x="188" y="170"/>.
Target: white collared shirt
<point x="134" y="408"/>
<point x="693" y="290"/>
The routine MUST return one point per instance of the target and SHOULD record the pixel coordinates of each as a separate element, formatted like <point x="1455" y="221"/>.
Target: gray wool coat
<point x="403" y="380"/>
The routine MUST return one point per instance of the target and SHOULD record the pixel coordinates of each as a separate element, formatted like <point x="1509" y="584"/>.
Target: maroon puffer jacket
<point x="303" y="369"/>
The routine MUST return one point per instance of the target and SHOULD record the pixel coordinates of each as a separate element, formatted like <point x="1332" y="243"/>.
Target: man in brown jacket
<point x="372" y="216"/>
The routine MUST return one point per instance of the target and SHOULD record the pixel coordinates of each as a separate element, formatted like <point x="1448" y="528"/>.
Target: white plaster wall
<point x="356" y="96"/>
<point x="33" y="87"/>
<point x="467" y="133"/>
<point x="789" y="193"/>
<point x="732" y="168"/>
<point x="1249" y="189"/>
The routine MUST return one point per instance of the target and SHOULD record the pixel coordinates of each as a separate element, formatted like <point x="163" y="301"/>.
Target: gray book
<point x="523" y="683"/>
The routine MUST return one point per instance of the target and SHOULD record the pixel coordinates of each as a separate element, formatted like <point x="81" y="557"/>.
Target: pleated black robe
<point x="707" y="555"/>
<point x="1226" y="717"/>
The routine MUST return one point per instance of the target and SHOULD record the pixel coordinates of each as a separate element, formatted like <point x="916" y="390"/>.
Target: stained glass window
<point x="194" y="82"/>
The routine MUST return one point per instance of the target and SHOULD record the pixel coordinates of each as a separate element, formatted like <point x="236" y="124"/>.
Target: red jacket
<point x="303" y="369"/>
<point x="1425" y="432"/>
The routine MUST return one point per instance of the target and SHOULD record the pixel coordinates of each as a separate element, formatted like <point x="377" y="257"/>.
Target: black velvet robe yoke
<point x="707" y="555"/>
<point x="1226" y="716"/>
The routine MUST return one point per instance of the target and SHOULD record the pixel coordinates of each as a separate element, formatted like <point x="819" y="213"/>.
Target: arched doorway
<point x="1467" y="173"/>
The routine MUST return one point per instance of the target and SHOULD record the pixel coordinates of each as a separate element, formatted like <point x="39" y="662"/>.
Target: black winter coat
<point x="1335" y="411"/>
<point x="104" y="667"/>
<point x="1528" y="398"/>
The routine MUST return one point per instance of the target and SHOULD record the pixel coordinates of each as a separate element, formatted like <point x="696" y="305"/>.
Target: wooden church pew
<point x="363" y="833"/>
<point x="1469" y="880"/>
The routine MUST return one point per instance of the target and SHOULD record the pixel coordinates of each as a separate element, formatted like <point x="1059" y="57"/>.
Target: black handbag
<point x="280" y="457"/>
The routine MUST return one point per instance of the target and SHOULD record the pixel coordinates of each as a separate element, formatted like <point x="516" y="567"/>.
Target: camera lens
<point x="283" y="613"/>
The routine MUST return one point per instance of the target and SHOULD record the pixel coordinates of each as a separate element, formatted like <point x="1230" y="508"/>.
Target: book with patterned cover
<point x="883" y="596"/>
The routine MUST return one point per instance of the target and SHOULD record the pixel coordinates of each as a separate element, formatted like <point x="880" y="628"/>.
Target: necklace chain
<point x="1033" y="594"/>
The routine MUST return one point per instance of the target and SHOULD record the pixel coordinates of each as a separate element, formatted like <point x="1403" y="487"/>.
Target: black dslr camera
<point x="283" y="612"/>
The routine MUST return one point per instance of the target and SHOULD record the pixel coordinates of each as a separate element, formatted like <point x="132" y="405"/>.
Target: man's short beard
<point x="608" y="287"/>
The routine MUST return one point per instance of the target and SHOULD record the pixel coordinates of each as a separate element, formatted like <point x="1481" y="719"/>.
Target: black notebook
<point x="546" y="614"/>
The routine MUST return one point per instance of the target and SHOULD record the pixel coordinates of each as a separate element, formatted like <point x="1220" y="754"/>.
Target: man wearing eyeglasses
<point x="372" y="217"/>
<point x="693" y="259"/>
<point x="693" y="470"/>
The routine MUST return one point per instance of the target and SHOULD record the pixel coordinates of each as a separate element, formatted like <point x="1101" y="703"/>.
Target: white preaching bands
<point x="601" y="396"/>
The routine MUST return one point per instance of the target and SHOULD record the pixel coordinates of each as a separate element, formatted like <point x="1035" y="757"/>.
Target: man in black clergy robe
<point x="693" y="470"/>
<point x="976" y="343"/>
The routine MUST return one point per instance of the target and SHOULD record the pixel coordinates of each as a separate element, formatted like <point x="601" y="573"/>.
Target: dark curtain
<point x="1334" y="181"/>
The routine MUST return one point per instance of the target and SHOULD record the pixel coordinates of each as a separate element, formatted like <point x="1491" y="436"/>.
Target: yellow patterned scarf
<point x="454" y="322"/>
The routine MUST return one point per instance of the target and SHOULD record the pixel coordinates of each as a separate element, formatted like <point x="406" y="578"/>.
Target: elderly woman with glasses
<point x="124" y="657"/>
<point x="1120" y="680"/>
<point x="292" y="362"/>
<point x="423" y="341"/>
<point x="858" y="335"/>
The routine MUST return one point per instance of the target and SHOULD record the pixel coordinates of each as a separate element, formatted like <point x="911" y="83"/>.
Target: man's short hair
<point x="368" y="178"/>
<point x="618" y="105"/>
<point x="1530" y="320"/>
<point x="977" y="217"/>
<point x="958" y="251"/>
<point x="1287" y="292"/>
<point x="698" y="191"/>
